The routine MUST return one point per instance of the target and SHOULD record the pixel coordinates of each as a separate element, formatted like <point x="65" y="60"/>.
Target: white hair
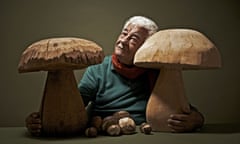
<point x="144" y="22"/>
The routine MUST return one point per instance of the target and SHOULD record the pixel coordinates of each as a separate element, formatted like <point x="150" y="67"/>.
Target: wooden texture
<point x="62" y="111"/>
<point x="185" y="48"/>
<point x="172" y="51"/>
<point x="60" y="53"/>
<point x="168" y="97"/>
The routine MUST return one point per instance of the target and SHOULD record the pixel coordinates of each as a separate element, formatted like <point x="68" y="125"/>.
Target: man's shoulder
<point x="106" y="60"/>
<point x="103" y="65"/>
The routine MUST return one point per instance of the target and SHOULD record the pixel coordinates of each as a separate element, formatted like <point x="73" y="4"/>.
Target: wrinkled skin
<point x="128" y="42"/>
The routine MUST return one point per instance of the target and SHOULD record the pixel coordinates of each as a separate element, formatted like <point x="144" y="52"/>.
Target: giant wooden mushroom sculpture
<point x="62" y="109"/>
<point x="172" y="51"/>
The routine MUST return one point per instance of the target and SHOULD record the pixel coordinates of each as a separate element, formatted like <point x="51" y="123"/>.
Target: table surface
<point x="210" y="133"/>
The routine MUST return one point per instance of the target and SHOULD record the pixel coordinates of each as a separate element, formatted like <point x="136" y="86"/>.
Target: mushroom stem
<point x="62" y="109"/>
<point x="168" y="97"/>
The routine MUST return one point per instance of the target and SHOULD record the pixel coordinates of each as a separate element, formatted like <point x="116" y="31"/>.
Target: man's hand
<point x="33" y="123"/>
<point x="186" y="122"/>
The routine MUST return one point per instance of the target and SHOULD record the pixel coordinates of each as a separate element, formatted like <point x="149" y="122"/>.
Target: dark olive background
<point x="215" y="92"/>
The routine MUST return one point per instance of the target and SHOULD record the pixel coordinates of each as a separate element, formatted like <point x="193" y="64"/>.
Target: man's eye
<point x="134" y="38"/>
<point x="123" y="33"/>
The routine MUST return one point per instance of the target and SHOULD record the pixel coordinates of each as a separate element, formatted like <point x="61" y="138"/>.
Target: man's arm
<point x="88" y="86"/>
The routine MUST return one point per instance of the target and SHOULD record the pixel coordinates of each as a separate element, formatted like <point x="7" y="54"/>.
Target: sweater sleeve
<point x="88" y="85"/>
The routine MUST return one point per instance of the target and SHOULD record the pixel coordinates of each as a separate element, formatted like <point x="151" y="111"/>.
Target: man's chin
<point x="119" y="53"/>
<point x="119" y="56"/>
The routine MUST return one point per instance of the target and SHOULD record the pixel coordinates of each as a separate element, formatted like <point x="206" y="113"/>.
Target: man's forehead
<point x="135" y="29"/>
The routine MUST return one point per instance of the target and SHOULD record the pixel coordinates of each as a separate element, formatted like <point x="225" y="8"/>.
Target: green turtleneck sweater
<point x="110" y="92"/>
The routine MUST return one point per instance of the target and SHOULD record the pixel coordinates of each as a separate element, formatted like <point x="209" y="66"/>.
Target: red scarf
<point x="128" y="72"/>
<point x="134" y="72"/>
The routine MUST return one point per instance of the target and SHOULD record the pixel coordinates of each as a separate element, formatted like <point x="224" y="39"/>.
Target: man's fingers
<point x="179" y="117"/>
<point x="34" y="126"/>
<point x="35" y="115"/>
<point x="33" y="123"/>
<point x="36" y="121"/>
<point x="31" y="120"/>
<point x="174" y="122"/>
<point x="176" y="129"/>
<point x="34" y="129"/>
<point x="177" y="122"/>
<point x="36" y="132"/>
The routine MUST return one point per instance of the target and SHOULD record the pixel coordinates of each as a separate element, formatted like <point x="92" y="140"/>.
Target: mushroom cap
<point x="60" y="53"/>
<point x="184" y="48"/>
<point x="127" y="125"/>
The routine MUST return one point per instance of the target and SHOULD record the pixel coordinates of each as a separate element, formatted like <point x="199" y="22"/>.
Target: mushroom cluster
<point x="120" y="123"/>
<point x="62" y="109"/>
<point x="171" y="51"/>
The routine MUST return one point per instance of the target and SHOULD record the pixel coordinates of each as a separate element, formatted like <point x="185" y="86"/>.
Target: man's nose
<point x="124" y="39"/>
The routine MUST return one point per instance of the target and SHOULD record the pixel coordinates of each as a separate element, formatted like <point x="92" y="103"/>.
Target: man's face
<point x="128" y="42"/>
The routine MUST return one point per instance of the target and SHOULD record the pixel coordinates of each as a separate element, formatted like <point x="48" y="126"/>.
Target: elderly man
<point x="116" y="84"/>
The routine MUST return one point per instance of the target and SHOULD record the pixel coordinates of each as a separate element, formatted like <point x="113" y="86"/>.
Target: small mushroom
<point x="114" y="130"/>
<point x="172" y="51"/>
<point x="127" y="125"/>
<point x="121" y="114"/>
<point x="145" y="128"/>
<point x="125" y="122"/>
<point x="110" y="126"/>
<point x="91" y="132"/>
<point x="62" y="109"/>
<point x="96" y="122"/>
